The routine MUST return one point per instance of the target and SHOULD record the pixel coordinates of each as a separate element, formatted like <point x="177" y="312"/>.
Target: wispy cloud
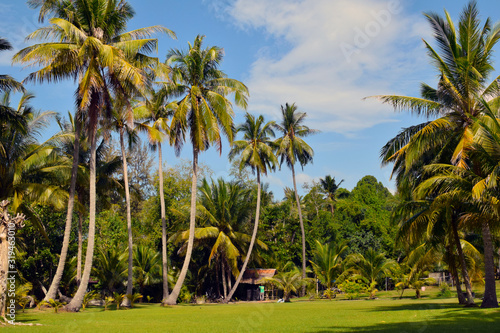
<point x="327" y="56"/>
<point x="15" y="26"/>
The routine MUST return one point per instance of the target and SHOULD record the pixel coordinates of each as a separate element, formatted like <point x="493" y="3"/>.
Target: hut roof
<point x="255" y="275"/>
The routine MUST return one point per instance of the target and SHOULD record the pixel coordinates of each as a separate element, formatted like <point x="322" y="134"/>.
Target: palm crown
<point x="291" y="147"/>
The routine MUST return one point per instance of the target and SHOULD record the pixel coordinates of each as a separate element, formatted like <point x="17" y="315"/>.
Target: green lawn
<point x="382" y="315"/>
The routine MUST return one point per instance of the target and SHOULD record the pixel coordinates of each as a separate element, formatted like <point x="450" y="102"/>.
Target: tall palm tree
<point x="91" y="46"/>
<point x="156" y="111"/>
<point x="205" y="112"/>
<point x="292" y="148"/>
<point x="51" y="294"/>
<point x="464" y="65"/>
<point x="256" y="152"/>
<point x="330" y="188"/>
<point x="121" y="122"/>
<point x="327" y="262"/>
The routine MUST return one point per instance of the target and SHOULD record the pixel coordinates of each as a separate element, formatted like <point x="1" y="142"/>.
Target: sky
<point x="326" y="56"/>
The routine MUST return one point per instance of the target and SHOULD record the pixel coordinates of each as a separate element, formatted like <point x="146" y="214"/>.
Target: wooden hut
<point x="252" y="281"/>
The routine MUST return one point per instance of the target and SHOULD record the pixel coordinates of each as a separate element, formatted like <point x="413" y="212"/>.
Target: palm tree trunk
<point x="252" y="242"/>
<point x="76" y="302"/>
<point x="126" y="300"/>
<point x="454" y="273"/>
<point x="80" y="251"/>
<point x="229" y="282"/>
<point x="172" y="298"/>
<point x="54" y="286"/>
<point x="163" y="229"/>
<point x="223" y="272"/>
<point x="301" y="230"/>
<point x="490" y="295"/>
<point x="461" y="258"/>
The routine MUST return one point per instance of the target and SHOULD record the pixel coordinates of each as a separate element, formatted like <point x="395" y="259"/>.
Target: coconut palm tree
<point x="256" y="152"/>
<point x="51" y="293"/>
<point x="91" y="46"/>
<point x="327" y="262"/>
<point x="205" y="112"/>
<point x="110" y="268"/>
<point x="330" y="188"/>
<point x="432" y="220"/>
<point x="292" y="148"/>
<point x="463" y="62"/>
<point x="28" y="169"/>
<point x="147" y="266"/>
<point x="156" y="111"/>
<point x="289" y="281"/>
<point x="370" y="267"/>
<point x="121" y="123"/>
<point x="224" y="209"/>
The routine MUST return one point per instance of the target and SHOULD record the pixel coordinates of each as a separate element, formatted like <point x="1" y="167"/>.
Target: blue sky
<point x="324" y="55"/>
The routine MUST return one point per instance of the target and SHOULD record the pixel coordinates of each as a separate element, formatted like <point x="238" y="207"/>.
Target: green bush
<point x="353" y="288"/>
<point x="444" y="290"/>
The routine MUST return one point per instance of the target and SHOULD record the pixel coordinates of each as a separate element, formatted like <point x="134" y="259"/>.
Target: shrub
<point x="352" y="288"/>
<point x="444" y="290"/>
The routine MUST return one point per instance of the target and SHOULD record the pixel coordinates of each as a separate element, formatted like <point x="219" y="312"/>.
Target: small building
<point x="252" y="281"/>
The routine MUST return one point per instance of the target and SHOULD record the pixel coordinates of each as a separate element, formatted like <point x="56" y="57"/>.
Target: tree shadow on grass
<point x="421" y="318"/>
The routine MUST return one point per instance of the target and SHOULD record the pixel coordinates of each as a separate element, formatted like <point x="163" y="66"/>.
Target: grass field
<point x="386" y="314"/>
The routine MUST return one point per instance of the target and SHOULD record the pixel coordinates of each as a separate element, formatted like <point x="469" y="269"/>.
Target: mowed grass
<point x="381" y="315"/>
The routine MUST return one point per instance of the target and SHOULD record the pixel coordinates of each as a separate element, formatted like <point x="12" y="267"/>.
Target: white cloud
<point x="303" y="178"/>
<point x="328" y="55"/>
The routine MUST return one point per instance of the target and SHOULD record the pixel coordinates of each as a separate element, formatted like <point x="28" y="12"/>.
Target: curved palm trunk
<point x="80" y="251"/>
<point x="252" y="242"/>
<point x="490" y="295"/>
<point x="461" y="258"/>
<point x="76" y="302"/>
<point x="54" y="286"/>
<point x="301" y="230"/>
<point x="126" y="300"/>
<point x="172" y="298"/>
<point x="163" y="229"/>
<point x="453" y="270"/>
